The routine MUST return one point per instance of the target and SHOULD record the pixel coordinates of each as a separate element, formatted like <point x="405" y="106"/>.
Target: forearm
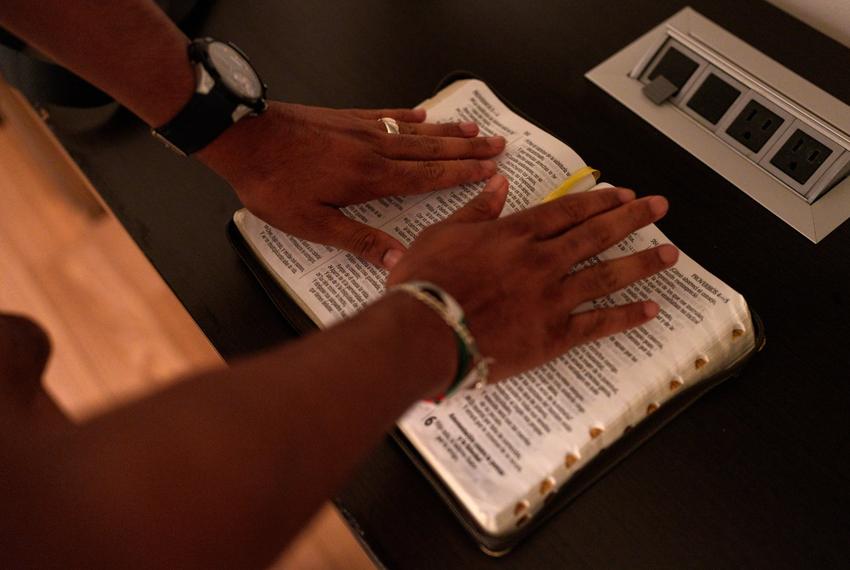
<point x="294" y="166"/>
<point x="224" y="468"/>
<point x="128" y="48"/>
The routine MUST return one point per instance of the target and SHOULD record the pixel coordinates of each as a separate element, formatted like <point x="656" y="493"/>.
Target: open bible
<point x="500" y="454"/>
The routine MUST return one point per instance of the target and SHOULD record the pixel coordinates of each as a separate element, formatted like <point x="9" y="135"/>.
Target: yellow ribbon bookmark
<point x="568" y="184"/>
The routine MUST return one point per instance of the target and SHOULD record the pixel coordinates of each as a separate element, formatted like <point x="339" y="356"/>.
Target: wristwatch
<point x="227" y="89"/>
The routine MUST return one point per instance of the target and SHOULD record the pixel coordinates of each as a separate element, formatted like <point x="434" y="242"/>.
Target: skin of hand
<point x="513" y="277"/>
<point x="295" y="166"/>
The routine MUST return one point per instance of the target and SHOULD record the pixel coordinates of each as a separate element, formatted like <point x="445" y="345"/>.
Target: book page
<point x="330" y="284"/>
<point x="502" y="449"/>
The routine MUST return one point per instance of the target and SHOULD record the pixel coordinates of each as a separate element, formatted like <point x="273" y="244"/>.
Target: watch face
<point x="236" y="73"/>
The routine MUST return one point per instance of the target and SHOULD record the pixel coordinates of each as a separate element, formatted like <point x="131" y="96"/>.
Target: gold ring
<point x="390" y="124"/>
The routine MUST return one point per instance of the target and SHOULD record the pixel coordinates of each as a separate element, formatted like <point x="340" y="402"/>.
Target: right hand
<point x="512" y="276"/>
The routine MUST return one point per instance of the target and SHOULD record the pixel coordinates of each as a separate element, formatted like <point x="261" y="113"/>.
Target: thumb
<point x="487" y="205"/>
<point x="371" y="244"/>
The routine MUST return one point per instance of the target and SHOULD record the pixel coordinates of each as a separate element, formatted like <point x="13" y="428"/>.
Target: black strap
<point x="199" y="123"/>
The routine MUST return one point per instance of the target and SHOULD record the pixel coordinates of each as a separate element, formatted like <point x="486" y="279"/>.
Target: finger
<point x="371" y="244"/>
<point x="604" y="230"/>
<point x="609" y="276"/>
<point x="461" y="130"/>
<point x="600" y="323"/>
<point x="406" y="115"/>
<point x="556" y="217"/>
<point x="412" y="147"/>
<point x="415" y="177"/>
<point x="487" y="205"/>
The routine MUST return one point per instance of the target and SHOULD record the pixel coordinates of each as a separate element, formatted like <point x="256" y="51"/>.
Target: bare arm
<point x="223" y="469"/>
<point x="294" y="166"/>
<point x="128" y="48"/>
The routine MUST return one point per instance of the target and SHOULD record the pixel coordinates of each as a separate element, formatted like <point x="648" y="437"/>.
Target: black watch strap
<point x="199" y="123"/>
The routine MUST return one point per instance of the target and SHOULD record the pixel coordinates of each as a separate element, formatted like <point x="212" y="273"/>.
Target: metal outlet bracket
<point x="815" y="208"/>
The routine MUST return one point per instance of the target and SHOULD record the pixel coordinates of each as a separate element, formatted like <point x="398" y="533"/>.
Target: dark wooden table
<point x="755" y="475"/>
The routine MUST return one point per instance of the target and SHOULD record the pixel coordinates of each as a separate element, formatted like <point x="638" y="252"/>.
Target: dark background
<point x="754" y="475"/>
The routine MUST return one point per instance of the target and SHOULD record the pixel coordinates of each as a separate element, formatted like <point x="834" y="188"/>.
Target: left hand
<point x="295" y="166"/>
<point x="513" y="276"/>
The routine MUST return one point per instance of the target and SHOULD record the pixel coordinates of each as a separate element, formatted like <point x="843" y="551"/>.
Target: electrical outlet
<point x="753" y="125"/>
<point x="678" y="64"/>
<point x="801" y="156"/>
<point x="713" y="96"/>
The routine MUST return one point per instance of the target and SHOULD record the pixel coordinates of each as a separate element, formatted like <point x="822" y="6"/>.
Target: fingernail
<point x="650" y="309"/>
<point x="668" y="254"/>
<point x="496" y="184"/>
<point x="420" y="114"/>
<point x="489" y="167"/>
<point x="391" y="258"/>
<point x="625" y="195"/>
<point x="658" y="206"/>
<point x="496" y="142"/>
<point x="469" y="129"/>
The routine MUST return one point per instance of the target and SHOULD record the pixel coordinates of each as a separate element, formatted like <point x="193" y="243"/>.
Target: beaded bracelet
<point x="472" y="368"/>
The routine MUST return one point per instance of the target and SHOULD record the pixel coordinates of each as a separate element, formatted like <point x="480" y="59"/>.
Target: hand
<point x="295" y="166"/>
<point x="25" y="406"/>
<point x="512" y="276"/>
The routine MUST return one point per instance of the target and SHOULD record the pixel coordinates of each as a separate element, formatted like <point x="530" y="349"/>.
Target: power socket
<point x="800" y="157"/>
<point x="753" y="125"/>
